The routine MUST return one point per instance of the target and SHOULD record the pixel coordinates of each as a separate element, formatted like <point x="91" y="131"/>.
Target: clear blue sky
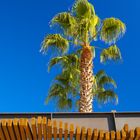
<point x="24" y="80"/>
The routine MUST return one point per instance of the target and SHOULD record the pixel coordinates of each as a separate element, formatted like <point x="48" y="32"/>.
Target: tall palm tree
<point x="80" y="27"/>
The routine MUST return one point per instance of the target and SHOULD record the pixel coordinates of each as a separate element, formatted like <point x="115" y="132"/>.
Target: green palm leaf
<point x="111" y="53"/>
<point x="83" y="9"/>
<point x="112" y="29"/>
<point x="55" y="40"/>
<point x="65" y="61"/>
<point x="66" y="21"/>
<point x="106" y="80"/>
<point x="107" y="96"/>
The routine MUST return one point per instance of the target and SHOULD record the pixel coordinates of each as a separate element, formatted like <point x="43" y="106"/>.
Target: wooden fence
<point x="42" y="128"/>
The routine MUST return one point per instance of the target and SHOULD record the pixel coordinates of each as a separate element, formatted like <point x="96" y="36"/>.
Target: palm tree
<point x="80" y="27"/>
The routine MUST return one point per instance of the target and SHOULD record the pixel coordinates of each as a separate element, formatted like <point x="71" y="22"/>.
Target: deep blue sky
<point x="24" y="80"/>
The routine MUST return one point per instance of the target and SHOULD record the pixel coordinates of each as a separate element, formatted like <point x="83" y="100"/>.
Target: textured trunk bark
<point x="86" y="80"/>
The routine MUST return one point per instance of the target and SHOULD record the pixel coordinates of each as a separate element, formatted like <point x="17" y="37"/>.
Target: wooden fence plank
<point x="123" y="134"/>
<point x="77" y="133"/>
<point x="16" y="128"/>
<point x="2" y="137"/>
<point x="112" y="135"/>
<point x="107" y="136"/>
<point x="66" y="131"/>
<point x="34" y="129"/>
<point x="11" y="130"/>
<point x="60" y="130"/>
<point x="137" y="133"/>
<point x="28" y="130"/>
<point x="118" y="135"/>
<point x="101" y="135"/>
<point x="5" y="129"/>
<point x="44" y="123"/>
<point x="71" y="131"/>
<point x="39" y="125"/>
<point x="131" y="135"/>
<point x="22" y="130"/>
<point x="49" y="136"/>
<point x="89" y="134"/>
<point x="126" y="128"/>
<point x="55" y="130"/>
<point x="95" y="134"/>
<point x="83" y="133"/>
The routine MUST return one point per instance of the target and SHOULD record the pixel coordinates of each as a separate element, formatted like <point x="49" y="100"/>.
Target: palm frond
<point x="112" y="29"/>
<point x="66" y="21"/>
<point x="111" y="53"/>
<point x="70" y="60"/>
<point x="83" y="9"/>
<point x="64" y="103"/>
<point x="106" y="80"/>
<point x="56" y="90"/>
<point x="107" y="96"/>
<point x="93" y="26"/>
<point x="55" y="40"/>
<point x="56" y="60"/>
<point x="99" y="74"/>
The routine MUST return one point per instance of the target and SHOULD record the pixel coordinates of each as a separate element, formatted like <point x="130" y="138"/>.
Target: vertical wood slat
<point x="107" y="136"/>
<point x="55" y="130"/>
<point x="83" y="133"/>
<point x="44" y="123"/>
<point x="11" y="130"/>
<point x="21" y="127"/>
<point x="34" y="129"/>
<point x="131" y="135"/>
<point x="5" y="129"/>
<point x="95" y="134"/>
<point x="126" y="128"/>
<point x="112" y="135"/>
<point x="118" y="135"/>
<point x="49" y="136"/>
<point x="123" y="134"/>
<point x="39" y="125"/>
<point x="66" y="131"/>
<point x="16" y="129"/>
<point x="89" y="134"/>
<point x="28" y="130"/>
<point x="71" y="131"/>
<point x="2" y="137"/>
<point x="137" y="133"/>
<point x="101" y="135"/>
<point x="78" y="133"/>
<point x="60" y="130"/>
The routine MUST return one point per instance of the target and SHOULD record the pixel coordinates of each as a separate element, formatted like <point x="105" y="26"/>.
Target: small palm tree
<point x="80" y="27"/>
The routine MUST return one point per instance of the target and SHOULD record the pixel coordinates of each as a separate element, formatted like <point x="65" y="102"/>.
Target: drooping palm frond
<point x="60" y="93"/>
<point x="102" y="93"/>
<point x="56" y="41"/>
<point x="106" y="96"/>
<point x="112" y="29"/>
<point x="94" y="26"/>
<point x="102" y="79"/>
<point x="111" y="53"/>
<point x="106" y="80"/>
<point x="99" y="74"/>
<point x="57" y="60"/>
<point x="83" y="9"/>
<point x="65" y="61"/>
<point x="66" y="21"/>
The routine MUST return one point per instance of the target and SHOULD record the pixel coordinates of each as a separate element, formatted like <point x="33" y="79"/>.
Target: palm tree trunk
<point x="86" y="80"/>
